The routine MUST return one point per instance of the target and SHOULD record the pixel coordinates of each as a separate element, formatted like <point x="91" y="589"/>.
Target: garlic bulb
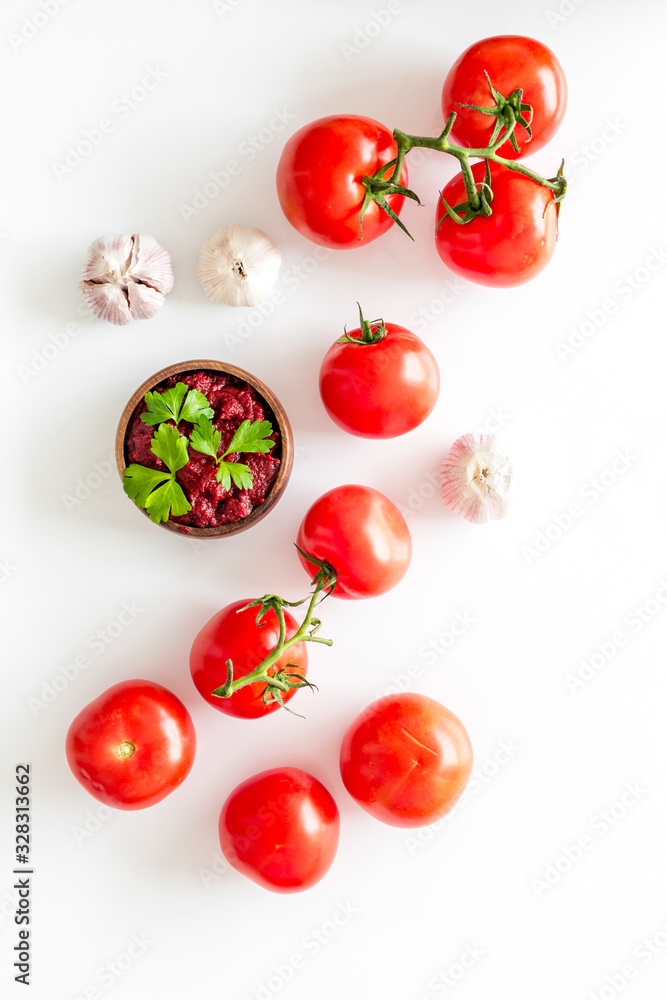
<point x="126" y="278"/>
<point x="476" y="478"/>
<point x="238" y="266"/>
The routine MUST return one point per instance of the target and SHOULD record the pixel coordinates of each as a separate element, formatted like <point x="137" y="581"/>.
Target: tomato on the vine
<point x="360" y="533"/>
<point x="511" y="61"/>
<point x="233" y="634"/>
<point x="132" y="745"/>
<point x="508" y="247"/>
<point x="319" y="180"/>
<point x="379" y="380"/>
<point x="280" y="828"/>
<point x="406" y="759"/>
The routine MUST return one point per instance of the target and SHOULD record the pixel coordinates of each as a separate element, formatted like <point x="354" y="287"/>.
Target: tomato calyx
<point x="483" y="196"/>
<point x="371" y="332"/>
<point x="508" y="111"/>
<point x="559" y="180"/>
<point x="281" y="681"/>
<point x="377" y="188"/>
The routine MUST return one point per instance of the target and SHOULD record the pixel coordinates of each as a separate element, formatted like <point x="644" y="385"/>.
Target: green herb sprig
<point x="156" y="491"/>
<point x="249" y="437"/>
<point x="169" y="405"/>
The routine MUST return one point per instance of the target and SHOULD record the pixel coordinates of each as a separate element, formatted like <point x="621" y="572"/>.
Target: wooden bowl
<point x="283" y="427"/>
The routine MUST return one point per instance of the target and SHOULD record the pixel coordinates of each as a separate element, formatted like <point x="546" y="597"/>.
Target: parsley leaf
<point x="205" y="438"/>
<point x="170" y="446"/>
<point x="196" y="405"/>
<point x="155" y="490"/>
<point x="169" y="405"/>
<point x="252" y="437"/>
<point x="166" y="500"/>
<point x="139" y="482"/>
<point x="237" y="471"/>
<point x="248" y="437"/>
<point x="164" y="405"/>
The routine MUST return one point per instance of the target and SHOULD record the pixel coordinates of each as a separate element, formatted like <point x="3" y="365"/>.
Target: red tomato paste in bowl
<point x="233" y="400"/>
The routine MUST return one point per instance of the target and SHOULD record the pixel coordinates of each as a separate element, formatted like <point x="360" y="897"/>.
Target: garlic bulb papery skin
<point x="238" y="266"/>
<point x="126" y="278"/>
<point x="476" y="479"/>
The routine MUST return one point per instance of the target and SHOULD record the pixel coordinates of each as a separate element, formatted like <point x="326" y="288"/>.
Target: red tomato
<point x="359" y="532"/>
<point x="406" y="759"/>
<point x="319" y="180"/>
<point x="380" y="389"/>
<point x="132" y="746"/>
<point x="510" y="246"/>
<point x="511" y="61"/>
<point x="234" y="635"/>
<point x="280" y="828"/>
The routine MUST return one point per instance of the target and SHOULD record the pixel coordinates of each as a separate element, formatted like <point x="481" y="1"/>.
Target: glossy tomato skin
<point x="362" y="534"/>
<point x="132" y="745"/>
<point x="319" y="180"/>
<point x="406" y="759"/>
<point x="280" y="828"/>
<point x="511" y="61"/>
<point x="383" y="389"/>
<point x="509" y="247"/>
<point x="233" y="634"/>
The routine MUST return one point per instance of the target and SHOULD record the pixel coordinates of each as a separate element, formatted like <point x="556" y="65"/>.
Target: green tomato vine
<point x="510" y="112"/>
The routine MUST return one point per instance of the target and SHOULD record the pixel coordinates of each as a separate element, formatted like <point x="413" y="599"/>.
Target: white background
<point x="494" y="881"/>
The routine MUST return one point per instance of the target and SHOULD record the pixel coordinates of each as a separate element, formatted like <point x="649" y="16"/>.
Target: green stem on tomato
<point x="283" y="680"/>
<point x="442" y="144"/>
<point x="371" y="332"/>
<point x="377" y="186"/>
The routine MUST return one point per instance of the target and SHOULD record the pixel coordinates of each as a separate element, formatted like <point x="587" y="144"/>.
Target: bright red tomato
<point x="362" y="534"/>
<point x="509" y="247"/>
<point x="233" y="634"/>
<point x="511" y="61"/>
<point x="319" y="180"/>
<point x="406" y="759"/>
<point x="379" y="389"/>
<point x="132" y="746"/>
<point x="280" y="828"/>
